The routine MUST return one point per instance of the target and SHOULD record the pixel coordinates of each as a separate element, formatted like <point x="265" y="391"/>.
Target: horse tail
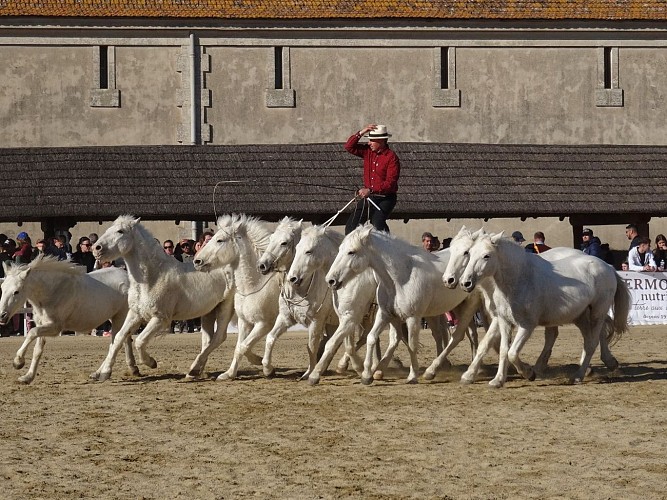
<point x="621" y="309"/>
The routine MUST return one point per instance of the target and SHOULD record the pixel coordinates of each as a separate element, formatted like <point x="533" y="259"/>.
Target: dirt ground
<point x="159" y="437"/>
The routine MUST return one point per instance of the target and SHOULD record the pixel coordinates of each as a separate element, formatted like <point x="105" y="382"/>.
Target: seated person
<point x="640" y="257"/>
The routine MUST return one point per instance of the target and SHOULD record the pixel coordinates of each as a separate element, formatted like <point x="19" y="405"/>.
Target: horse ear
<point x="135" y="221"/>
<point x="495" y="238"/>
<point x="6" y="264"/>
<point x="24" y="274"/>
<point x="365" y="231"/>
<point x="462" y="231"/>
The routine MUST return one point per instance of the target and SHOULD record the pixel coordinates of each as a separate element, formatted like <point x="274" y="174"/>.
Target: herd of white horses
<point x="348" y="289"/>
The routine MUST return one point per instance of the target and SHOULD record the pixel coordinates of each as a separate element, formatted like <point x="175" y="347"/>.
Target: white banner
<point x="649" y="297"/>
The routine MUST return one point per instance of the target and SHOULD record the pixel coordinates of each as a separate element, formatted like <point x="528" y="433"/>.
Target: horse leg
<point x="524" y="369"/>
<point x="441" y="359"/>
<point x="381" y="321"/>
<point x="605" y="353"/>
<point x="471" y="333"/>
<point x="131" y="323"/>
<point x="46" y="330"/>
<point x="505" y="331"/>
<point x="438" y="332"/>
<point x="413" y="347"/>
<point x="591" y="333"/>
<point x="244" y="329"/>
<point x="315" y="334"/>
<point x="490" y="338"/>
<point x="550" y="336"/>
<point x="258" y="331"/>
<point x="344" y="330"/>
<point x="154" y="326"/>
<point x="381" y="362"/>
<point x="216" y="322"/>
<point x="279" y="327"/>
<point x="129" y="350"/>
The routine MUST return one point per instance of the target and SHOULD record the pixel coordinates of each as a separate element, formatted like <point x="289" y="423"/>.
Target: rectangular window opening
<point x="607" y="67"/>
<point x="278" y="76"/>
<point x="444" y="68"/>
<point x="104" y="67"/>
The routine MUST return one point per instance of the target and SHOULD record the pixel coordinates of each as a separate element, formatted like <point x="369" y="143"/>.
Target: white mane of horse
<point x="146" y="239"/>
<point x="256" y="230"/>
<point x="46" y="263"/>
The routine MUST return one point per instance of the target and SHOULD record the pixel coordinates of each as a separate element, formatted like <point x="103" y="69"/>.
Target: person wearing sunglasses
<point x="84" y="255"/>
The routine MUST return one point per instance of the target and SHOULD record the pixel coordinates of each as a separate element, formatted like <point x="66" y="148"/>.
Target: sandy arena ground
<point x="159" y="437"/>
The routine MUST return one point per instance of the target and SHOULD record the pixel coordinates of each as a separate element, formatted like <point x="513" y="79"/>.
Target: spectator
<point x="93" y="237"/>
<point x="187" y="249"/>
<point x="430" y="243"/>
<point x="202" y="240"/>
<point x="446" y="242"/>
<point x="41" y="248"/>
<point x="591" y="244"/>
<point x="60" y="248"/>
<point x="537" y="246"/>
<point x="625" y="266"/>
<point x="640" y="258"/>
<point x="518" y="237"/>
<point x="660" y="252"/>
<point x="6" y="253"/>
<point x="168" y="247"/>
<point x="632" y="234"/>
<point x="83" y="256"/>
<point x="24" y="252"/>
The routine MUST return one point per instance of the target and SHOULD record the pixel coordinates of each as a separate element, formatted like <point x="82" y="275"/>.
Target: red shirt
<point x="381" y="170"/>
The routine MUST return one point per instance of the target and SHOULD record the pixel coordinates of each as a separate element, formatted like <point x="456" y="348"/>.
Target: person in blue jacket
<point x="591" y="244"/>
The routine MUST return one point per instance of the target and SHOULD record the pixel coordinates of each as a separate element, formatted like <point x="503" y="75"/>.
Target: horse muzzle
<point x="468" y="284"/>
<point x="264" y="267"/>
<point x="200" y="265"/>
<point x="450" y="281"/>
<point x="295" y="280"/>
<point x="334" y="284"/>
<point x="4" y="318"/>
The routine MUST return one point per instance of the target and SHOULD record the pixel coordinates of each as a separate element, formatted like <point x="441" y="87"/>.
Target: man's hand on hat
<point x="367" y="128"/>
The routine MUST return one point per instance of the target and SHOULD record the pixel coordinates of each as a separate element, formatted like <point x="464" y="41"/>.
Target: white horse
<point x="311" y="307"/>
<point x="526" y="290"/>
<point x="409" y="288"/>
<point x="63" y="297"/>
<point x="163" y="289"/>
<point x="460" y="251"/>
<point x="238" y="244"/>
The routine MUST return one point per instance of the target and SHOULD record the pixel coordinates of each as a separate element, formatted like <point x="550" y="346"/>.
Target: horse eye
<point x="487" y="257"/>
<point x="16" y="292"/>
<point x="283" y="244"/>
<point x="308" y="252"/>
<point x="466" y="253"/>
<point x="120" y="231"/>
<point x="219" y="241"/>
<point x="350" y="252"/>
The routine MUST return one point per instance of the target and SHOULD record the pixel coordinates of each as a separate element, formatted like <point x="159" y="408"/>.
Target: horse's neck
<point x="141" y="266"/>
<point x="246" y="275"/>
<point x="46" y="287"/>
<point x="511" y="277"/>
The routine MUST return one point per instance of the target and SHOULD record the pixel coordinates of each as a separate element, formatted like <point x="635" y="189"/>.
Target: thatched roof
<point x="316" y="180"/>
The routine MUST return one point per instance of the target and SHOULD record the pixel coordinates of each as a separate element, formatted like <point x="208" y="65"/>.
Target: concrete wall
<point x="517" y="92"/>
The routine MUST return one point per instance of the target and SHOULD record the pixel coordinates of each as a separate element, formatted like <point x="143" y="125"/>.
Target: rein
<point x="293" y="303"/>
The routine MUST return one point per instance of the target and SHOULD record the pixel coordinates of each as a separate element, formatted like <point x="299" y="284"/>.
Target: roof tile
<point x="343" y="9"/>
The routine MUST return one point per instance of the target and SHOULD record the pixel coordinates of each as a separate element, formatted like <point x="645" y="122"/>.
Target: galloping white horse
<point x="63" y="297"/>
<point x="409" y="288"/>
<point x="238" y="244"/>
<point x="163" y="289"/>
<point x="526" y="290"/>
<point x="310" y="306"/>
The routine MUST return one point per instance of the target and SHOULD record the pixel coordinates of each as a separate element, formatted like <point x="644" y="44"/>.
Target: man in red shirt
<point x="381" y="171"/>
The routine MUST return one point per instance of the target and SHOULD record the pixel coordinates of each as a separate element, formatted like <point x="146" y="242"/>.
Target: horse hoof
<point x="189" y="377"/>
<point x="496" y="384"/>
<point x="271" y="373"/>
<point x="314" y="379"/>
<point x="224" y="377"/>
<point x="367" y="380"/>
<point x="103" y="377"/>
<point x="467" y="379"/>
<point x="532" y="376"/>
<point x="613" y="365"/>
<point x="429" y="375"/>
<point x="25" y="379"/>
<point x="151" y="363"/>
<point x="18" y="363"/>
<point x="412" y="381"/>
<point x="378" y="375"/>
<point x="576" y="381"/>
<point x="135" y="372"/>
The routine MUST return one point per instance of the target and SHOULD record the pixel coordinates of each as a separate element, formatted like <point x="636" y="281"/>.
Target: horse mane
<point x="325" y="231"/>
<point x="256" y="229"/>
<point x="47" y="263"/>
<point x="288" y="224"/>
<point x="151" y="243"/>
